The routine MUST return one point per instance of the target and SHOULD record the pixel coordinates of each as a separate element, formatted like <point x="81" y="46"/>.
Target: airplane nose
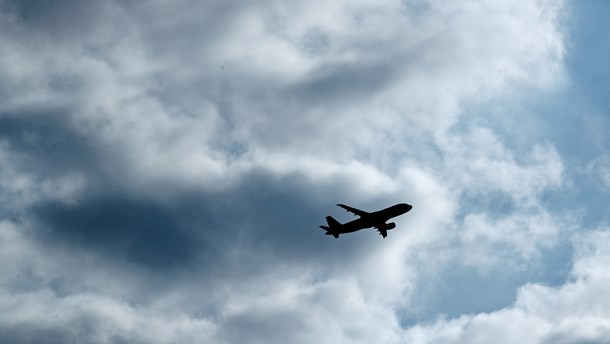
<point x="406" y="207"/>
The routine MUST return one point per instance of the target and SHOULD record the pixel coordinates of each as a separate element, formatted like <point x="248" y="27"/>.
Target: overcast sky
<point x="165" y="165"/>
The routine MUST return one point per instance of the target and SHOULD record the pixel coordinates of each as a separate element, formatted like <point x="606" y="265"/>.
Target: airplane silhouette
<point x="375" y="219"/>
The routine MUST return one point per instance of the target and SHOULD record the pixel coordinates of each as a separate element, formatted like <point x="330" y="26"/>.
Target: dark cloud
<point x="349" y="83"/>
<point x="199" y="145"/>
<point x="272" y="217"/>
<point x="138" y="230"/>
<point x="278" y="215"/>
<point x="45" y="139"/>
<point x="62" y="20"/>
<point x="30" y="334"/>
<point x="184" y="29"/>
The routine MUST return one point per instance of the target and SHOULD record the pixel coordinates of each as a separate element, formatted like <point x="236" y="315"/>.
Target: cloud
<point x="486" y="164"/>
<point x="165" y="166"/>
<point x="600" y="168"/>
<point x="147" y="93"/>
<point x="572" y="313"/>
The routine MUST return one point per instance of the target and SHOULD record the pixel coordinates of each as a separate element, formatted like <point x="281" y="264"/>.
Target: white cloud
<point x="478" y="162"/>
<point x="520" y="237"/>
<point x="95" y="319"/>
<point x="296" y="307"/>
<point x="20" y="187"/>
<point x="575" y="312"/>
<point x="600" y="168"/>
<point x="357" y="100"/>
<point x="389" y="72"/>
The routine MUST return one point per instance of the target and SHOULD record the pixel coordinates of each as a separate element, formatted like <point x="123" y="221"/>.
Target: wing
<point x="358" y="212"/>
<point x="383" y="232"/>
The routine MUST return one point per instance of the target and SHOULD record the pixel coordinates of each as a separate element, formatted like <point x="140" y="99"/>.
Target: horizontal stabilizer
<point x="333" y="227"/>
<point x="329" y="232"/>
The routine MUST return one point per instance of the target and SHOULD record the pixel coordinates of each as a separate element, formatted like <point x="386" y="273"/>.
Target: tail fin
<point x="333" y="227"/>
<point x="332" y="223"/>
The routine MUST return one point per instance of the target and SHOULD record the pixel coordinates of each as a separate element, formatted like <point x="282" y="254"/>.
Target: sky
<point x="164" y="168"/>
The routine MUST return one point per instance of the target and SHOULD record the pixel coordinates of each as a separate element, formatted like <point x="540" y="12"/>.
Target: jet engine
<point x="389" y="226"/>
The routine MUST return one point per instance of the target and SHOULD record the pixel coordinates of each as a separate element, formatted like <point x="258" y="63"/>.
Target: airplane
<point x="375" y="219"/>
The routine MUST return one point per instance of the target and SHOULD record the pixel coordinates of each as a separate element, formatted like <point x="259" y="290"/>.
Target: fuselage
<point x="375" y="219"/>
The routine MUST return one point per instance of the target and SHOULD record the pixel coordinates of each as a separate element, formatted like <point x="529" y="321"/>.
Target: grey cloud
<point x="45" y="139"/>
<point x="61" y="23"/>
<point x="29" y="334"/>
<point x="139" y="230"/>
<point x="345" y="82"/>
<point x="111" y="217"/>
<point x="569" y="337"/>
<point x="146" y="89"/>
<point x="270" y="216"/>
<point x="64" y="15"/>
